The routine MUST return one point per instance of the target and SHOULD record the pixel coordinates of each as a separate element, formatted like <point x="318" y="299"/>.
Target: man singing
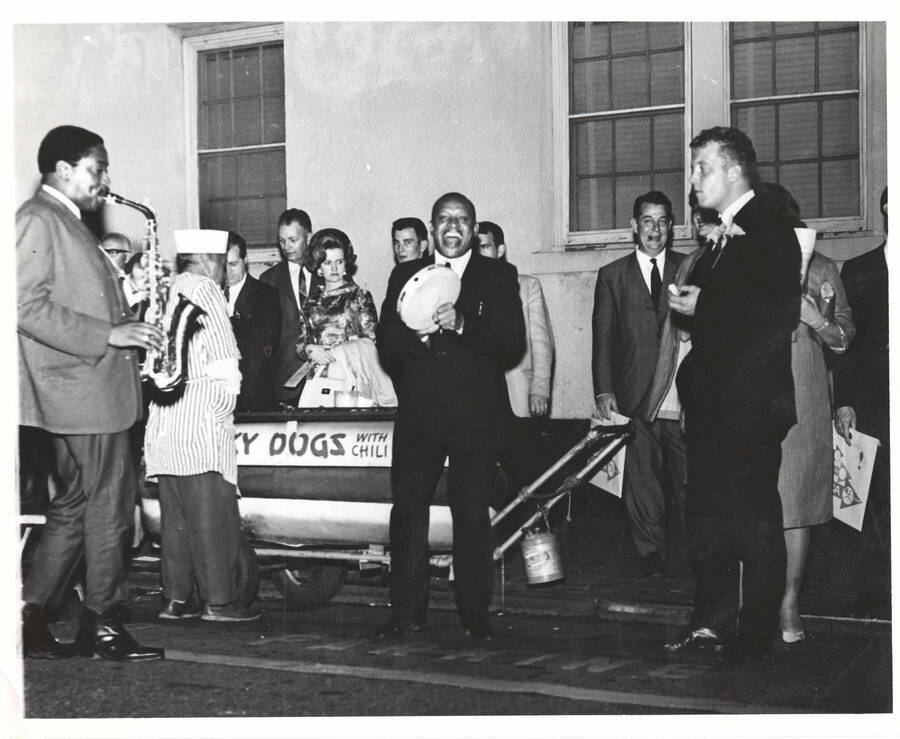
<point x="78" y="380"/>
<point x="451" y="391"/>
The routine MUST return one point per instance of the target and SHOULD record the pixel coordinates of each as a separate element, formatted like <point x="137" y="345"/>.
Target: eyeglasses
<point x="647" y="223"/>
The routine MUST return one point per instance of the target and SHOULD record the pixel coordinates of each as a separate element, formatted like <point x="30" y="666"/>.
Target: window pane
<point x="836" y="24"/>
<point x="802" y="181"/>
<point x="629" y="83"/>
<point x="840" y="188"/>
<point x="593" y="204"/>
<point x="215" y="76"/>
<point x="798" y="130"/>
<point x="666" y="35"/>
<point x="218" y="173"/>
<point x="839" y="61"/>
<point x="589" y="39"/>
<point x="752" y="69"/>
<point x="590" y="86"/>
<point x="252" y="214"/>
<point x="667" y="78"/>
<point x="672" y="184"/>
<point x="840" y="127"/>
<point x="215" y="126"/>
<point x="592" y="141"/>
<point x="247" y="122"/>
<point x="767" y="173"/>
<point x="782" y="29"/>
<point x="627" y="189"/>
<point x="273" y="69"/>
<point x="795" y="69"/>
<point x="273" y="120"/>
<point x="758" y="122"/>
<point x="627" y="37"/>
<point x="245" y="72"/>
<point x="668" y="142"/>
<point x="632" y="144"/>
<point x="750" y="30"/>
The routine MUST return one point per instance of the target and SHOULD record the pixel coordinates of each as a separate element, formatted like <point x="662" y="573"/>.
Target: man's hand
<point x="447" y="317"/>
<point x="136" y="334"/>
<point x="809" y="313"/>
<point x="538" y="405"/>
<point x="683" y="299"/>
<point x="606" y="404"/>
<point x="844" y="420"/>
<point x="319" y="354"/>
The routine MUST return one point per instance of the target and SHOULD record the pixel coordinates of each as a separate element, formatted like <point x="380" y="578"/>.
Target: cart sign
<point x="322" y="444"/>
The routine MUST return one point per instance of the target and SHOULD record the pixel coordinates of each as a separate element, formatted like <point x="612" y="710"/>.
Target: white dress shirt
<point x="647" y="267"/>
<point x="233" y="292"/>
<point x="457" y="264"/>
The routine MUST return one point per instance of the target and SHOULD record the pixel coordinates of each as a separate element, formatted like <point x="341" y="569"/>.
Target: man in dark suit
<point x="78" y="380"/>
<point x="861" y="396"/>
<point x="256" y="319"/>
<point x="451" y="391"/>
<point x="295" y="282"/>
<point x="738" y="392"/>
<point x="630" y="311"/>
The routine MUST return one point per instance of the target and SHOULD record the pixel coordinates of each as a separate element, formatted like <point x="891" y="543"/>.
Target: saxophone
<point x="166" y="369"/>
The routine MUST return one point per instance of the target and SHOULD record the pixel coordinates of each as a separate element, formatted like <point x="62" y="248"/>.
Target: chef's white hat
<point x="201" y="241"/>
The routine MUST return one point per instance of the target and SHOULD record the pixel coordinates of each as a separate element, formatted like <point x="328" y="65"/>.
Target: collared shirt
<point x="233" y="292"/>
<point x="457" y="264"/>
<point x="295" y="270"/>
<point x="732" y="210"/>
<point x="52" y="191"/>
<point x="647" y="267"/>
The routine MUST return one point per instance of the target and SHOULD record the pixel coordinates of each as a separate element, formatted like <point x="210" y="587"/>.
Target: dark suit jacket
<point x="257" y="328"/>
<point x="861" y="376"/>
<point x="738" y="372"/>
<point x="286" y="360"/>
<point x="455" y="388"/>
<point x="627" y="329"/>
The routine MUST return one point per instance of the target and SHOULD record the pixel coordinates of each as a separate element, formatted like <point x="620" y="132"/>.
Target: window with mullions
<point x="626" y="119"/>
<point x="240" y="140"/>
<point x="795" y="92"/>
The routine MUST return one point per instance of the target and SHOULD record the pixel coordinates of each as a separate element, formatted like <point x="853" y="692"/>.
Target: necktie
<point x="227" y="294"/>
<point x="655" y="282"/>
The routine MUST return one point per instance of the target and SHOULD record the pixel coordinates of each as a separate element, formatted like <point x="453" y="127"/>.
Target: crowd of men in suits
<point x="708" y="413"/>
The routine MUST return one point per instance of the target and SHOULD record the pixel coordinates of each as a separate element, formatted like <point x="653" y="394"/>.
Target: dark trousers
<point x="655" y="463"/>
<point x="92" y="516"/>
<point x="414" y="476"/>
<point x="200" y="532"/>
<point x="734" y="516"/>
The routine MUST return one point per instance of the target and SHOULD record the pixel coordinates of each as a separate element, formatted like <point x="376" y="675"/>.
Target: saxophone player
<point x="78" y="380"/>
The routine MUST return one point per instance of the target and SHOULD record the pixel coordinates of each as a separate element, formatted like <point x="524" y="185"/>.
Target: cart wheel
<point x="308" y="584"/>
<point x="248" y="574"/>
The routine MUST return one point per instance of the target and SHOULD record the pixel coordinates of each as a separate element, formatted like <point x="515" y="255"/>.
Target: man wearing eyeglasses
<point x="630" y="310"/>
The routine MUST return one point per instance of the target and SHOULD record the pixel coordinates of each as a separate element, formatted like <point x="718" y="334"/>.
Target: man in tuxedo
<point x="295" y="282"/>
<point x="738" y="391"/>
<point x="409" y="239"/>
<point x="861" y="396"/>
<point x="255" y="315"/>
<point x="630" y="311"/>
<point x="78" y="380"/>
<point x="451" y="391"/>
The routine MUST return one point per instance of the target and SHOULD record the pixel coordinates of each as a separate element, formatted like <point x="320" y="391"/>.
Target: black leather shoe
<point x="654" y="565"/>
<point x="178" y="611"/>
<point x="695" y="640"/>
<point x="105" y="636"/>
<point x="37" y="641"/>
<point x="478" y="627"/>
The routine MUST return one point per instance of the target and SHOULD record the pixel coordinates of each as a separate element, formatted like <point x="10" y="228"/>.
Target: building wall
<point x="381" y="120"/>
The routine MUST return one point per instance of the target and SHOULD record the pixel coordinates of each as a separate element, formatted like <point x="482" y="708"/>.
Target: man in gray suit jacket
<point x="630" y="312"/>
<point x="78" y="380"/>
